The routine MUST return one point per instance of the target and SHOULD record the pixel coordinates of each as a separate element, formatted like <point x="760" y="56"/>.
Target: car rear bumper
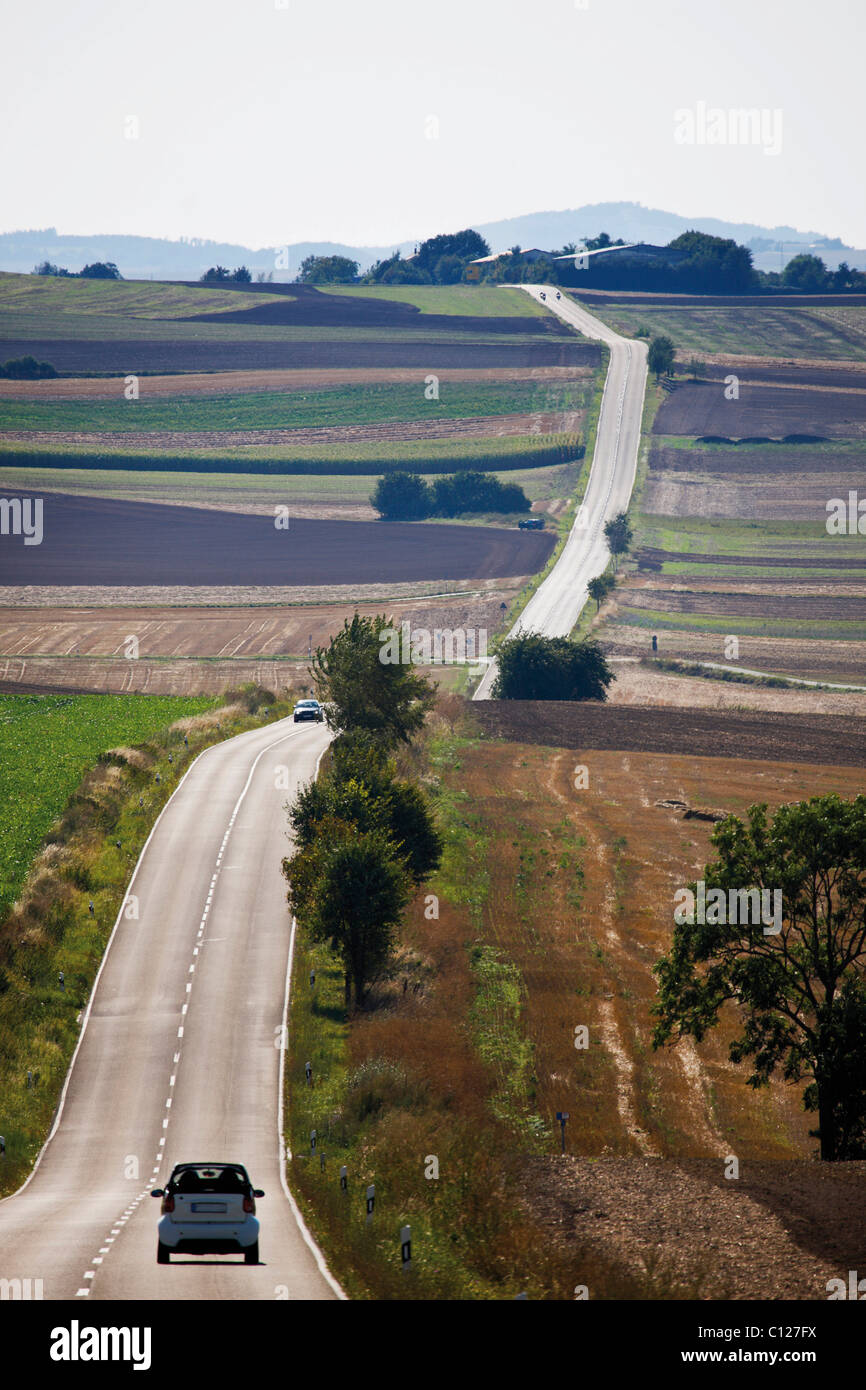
<point x="208" y="1237"/>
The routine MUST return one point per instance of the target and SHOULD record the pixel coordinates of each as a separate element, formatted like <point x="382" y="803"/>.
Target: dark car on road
<point x="531" y="523"/>
<point x="308" y="709"/>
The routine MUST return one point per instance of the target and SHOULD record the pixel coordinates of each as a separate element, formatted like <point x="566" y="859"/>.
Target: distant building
<point x="475" y="268"/>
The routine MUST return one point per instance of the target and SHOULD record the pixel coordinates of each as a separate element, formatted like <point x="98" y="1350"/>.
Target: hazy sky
<point x="270" y="121"/>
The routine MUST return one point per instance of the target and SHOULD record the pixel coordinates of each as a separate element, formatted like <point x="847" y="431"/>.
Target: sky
<point x="266" y="122"/>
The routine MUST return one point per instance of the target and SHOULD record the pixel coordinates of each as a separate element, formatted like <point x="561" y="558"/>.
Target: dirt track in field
<point x="275" y="379"/>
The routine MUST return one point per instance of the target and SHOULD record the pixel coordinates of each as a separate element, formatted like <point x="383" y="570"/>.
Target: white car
<point x="308" y="709"/>
<point x="208" y="1209"/>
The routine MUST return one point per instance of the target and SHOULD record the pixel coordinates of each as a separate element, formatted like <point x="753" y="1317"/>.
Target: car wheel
<point x="296" y="719"/>
<point x="163" y="1253"/>
<point x="251" y="1254"/>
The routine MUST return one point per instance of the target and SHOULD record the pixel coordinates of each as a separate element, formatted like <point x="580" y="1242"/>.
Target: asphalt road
<point x="179" y="1057"/>
<point x="556" y="605"/>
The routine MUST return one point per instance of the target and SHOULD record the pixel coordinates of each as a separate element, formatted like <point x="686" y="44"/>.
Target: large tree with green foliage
<point x="360" y="690"/>
<point x="333" y="270"/>
<point x="402" y="497"/>
<point x="532" y="667"/>
<point x="662" y="352"/>
<point x="799" y="994"/>
<point x="618" y="534"/>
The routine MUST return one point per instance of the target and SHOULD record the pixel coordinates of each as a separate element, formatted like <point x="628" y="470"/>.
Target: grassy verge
<point x="471" y="301"/>
<point x="88" y="856"/>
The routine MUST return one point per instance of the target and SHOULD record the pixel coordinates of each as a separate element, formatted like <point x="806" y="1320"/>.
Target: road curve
<point x="179" y="1056"/>
<point x="557" y="603"/>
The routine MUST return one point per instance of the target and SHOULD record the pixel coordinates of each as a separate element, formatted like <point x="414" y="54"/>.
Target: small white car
<point x="208" y="1209"/>
<point x="308" y="709"/>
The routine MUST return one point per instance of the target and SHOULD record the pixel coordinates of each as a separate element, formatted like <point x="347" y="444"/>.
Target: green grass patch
<point x="842" y="629"/>
<point x="471" y="301"/>
<point x="48" y="294"/>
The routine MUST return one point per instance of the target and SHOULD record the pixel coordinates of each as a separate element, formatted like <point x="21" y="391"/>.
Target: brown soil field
<point x="782" y="459"/>
<point x="108" y="543"/>
<point x="833" y="740"/>
<point x="575" y="887"/>
<point x="274" y="379"/>
<point x="119" y="356"/>
<point x="696" y="408"/>
<point x="838" y="376"/>
<point x="808" y="659"/>
<point x="469" y="427"/>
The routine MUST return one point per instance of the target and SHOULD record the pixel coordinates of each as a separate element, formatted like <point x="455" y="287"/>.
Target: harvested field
<point x="651" y="557"/>
<point x="818" y="658"/>
<point x="777" y="459"/>
<point x="641" y="682"/>
<point x="802" y="328"/>
<point x="834" y="740"/>
<point x="107" y="543"/>
<point x="696" y="408"/>
<point x="236" y="383"/>
<point x="760" y="496"/>
<point x="230" y="631"/>
<point x="121" y="355"/>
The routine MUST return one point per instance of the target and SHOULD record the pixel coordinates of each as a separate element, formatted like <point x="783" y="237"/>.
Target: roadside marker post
<point x="61" y="980"/>
<point x="2" y="1146"/>
<point x="322" y="1159"/>
<point x="344" y="1179"/>
<point x="313" y="1142"/>
<point x="406" y="1248"/>
<point x="371" y="1201"/>
<point x="562" y="1116"/>
<point x="308" y="1072"/>
<point x="312" y="978"/>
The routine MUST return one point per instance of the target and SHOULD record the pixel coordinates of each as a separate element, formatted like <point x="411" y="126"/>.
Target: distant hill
<point x="142" y="258"/>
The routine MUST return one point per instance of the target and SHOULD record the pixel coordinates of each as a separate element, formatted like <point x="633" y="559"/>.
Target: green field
<point x="46" y="744"/>
<point x="760" y="331"/>
<point x="333" y="406"/>
<point x="473" y="301"/>
<point x="49" y="294"/>
<point x="753" y="539"/>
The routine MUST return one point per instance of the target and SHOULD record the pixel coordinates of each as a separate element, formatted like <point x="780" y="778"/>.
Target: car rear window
<point x="209" y="1180"/>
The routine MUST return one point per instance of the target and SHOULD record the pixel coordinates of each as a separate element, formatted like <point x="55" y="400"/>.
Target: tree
<point x="599" y="588"/>
<point x="695" y="368"/>
<point x="361" y="690"/>
<point x="100" y="270"/>
<point x="27" y="369"/>
<point x="351" y="891"/>
<point x="806" y="273"/>
<point x="242" y="275"/>
<point x="448" y="270"/>
<point x="467" y="246"/>
<point x="469" y="491"/>
<point x="402" y="496"/>
<point x="332" y="270"/>
<point x="799" y="992"/>
<point x="618" y="534"/>
<point x="532" y="667"/>
<point x="46" y="268"/>
<point x="661" y="355"/>
<point x="216" y="274"/>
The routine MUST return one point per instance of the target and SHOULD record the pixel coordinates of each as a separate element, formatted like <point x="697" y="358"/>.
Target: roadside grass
<point x="752" y="540"/>
<point x="330" y="406"/>
<point x="760" y="331"/>
<point x="471" y="301"/>
<point x="51" y="929"/>
<point x="822" y="629"/>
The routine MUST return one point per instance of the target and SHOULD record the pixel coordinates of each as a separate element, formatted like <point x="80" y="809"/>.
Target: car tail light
<point x="167" y="1203"/>
<point x="250" y="1205"/>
